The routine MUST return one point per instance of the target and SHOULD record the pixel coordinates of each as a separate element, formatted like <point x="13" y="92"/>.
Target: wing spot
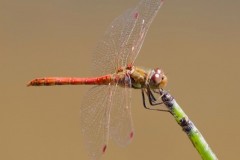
<point x="136" y="15"/>
<point x="131" y="135"/>
<point x="104" y="148"/>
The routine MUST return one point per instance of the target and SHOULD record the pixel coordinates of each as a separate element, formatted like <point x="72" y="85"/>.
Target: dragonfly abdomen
<point x="50" y="81"/>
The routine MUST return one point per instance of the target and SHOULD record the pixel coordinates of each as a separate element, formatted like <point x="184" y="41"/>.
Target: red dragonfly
<point x="106" y="109"/>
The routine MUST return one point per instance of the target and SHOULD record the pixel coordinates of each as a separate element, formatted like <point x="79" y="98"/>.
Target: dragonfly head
<point x="158" y="79"/>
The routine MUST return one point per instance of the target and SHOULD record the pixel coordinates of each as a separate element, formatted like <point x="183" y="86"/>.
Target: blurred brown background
<point x="195" y="42"/>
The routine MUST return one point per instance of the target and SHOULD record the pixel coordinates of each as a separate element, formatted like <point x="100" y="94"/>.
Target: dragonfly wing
<point x="111" y="50"/>
<point x="121" y="129"/>
<point x="95" y="119"/>
<point x="124" y="37"/>
<point x="144" y="13"/>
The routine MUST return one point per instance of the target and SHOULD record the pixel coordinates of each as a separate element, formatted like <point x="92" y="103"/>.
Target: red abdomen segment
<point x="50" y="81"/>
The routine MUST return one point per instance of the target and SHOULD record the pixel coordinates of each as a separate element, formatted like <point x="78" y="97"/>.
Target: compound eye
<point x="157" y="70"/>
<point x="156" y="78"/>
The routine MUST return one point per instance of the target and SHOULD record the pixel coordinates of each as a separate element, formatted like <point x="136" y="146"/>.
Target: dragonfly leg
<point x="143" y="98"/>
<point x="152" y="101"/>
<point x="151" y="98"/>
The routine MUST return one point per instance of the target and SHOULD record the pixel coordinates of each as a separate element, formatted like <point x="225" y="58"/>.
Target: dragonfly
<point x="106" y="109"/>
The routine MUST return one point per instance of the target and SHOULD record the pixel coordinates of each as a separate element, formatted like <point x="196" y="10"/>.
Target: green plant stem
<point x="188" y="127"/>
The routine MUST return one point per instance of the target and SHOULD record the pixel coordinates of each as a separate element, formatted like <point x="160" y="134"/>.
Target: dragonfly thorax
<point x="139" y="78"/>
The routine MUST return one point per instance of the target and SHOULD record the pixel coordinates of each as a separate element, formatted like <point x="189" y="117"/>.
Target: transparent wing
<point x="95" y="119"/>
<point x="121" y="129"/>
<point x="124" y="37"/>
<point x="106" y="110"/>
